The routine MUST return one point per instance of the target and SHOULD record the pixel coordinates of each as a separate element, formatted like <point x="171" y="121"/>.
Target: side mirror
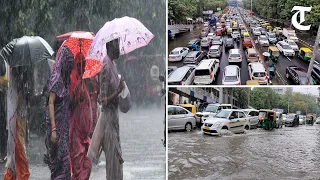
<point x="161" y="78"/>
<point x="231" y="117"/>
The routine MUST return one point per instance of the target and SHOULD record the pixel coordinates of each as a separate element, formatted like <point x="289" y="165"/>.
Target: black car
<point x="193" y="41"/>
<point x="298" y="75"/>
<point x="315" y="74"/>
<point x="263" y="31"/>
<point x="292" y="120"/>
<point x="229" y="44"/>
<point x="194" y="57"/>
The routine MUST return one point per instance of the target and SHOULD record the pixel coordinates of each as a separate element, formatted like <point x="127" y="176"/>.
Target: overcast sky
<point x="304" y="90"/>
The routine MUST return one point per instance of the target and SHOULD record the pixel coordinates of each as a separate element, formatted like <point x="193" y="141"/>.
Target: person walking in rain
<point x="3" y="110"/>
<point x="57" y="117"/>
<point x="17" y="163"/>
<point x="106" y="133"/>
<point x="80" y="122"/>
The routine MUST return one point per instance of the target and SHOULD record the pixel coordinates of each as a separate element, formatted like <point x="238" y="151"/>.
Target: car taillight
<point x="218" y="52"/>
<point x="251" y="77"/>
<point x="229" y="58"/>
<point x="211" y="75"/>
<point x="180" y="83"/>
<point x="194" y="60"/>
<point x="239" y="83"/>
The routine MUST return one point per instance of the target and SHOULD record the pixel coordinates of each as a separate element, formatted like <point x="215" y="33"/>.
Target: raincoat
<point x="106" y="133"/>
<point x="17" y="163"/>
<point x="80" y="127"/>
<point x="57" y="157"/>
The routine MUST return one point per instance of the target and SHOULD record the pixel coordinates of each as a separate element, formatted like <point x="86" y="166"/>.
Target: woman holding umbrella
<point x="57" y="116"/>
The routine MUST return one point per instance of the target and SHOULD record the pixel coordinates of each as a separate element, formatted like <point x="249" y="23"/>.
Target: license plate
<point x="206" y="128"/>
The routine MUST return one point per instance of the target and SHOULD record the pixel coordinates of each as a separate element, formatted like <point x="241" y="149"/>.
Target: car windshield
<point x="223" y="114"/>
<point x="290" y="116"/>
<point x="230" y="78"/>
<point x="211" y="108"/>
<point x="229" y="41"/>
<point x="292" y="43"/>
<point x="202" y="72"/>
<point x="213" y="50"/>
<point x="263" y="38"/>
<point x="253" y="55"/>
<point x="259" y="74"/>
<point x="262" y="115"/>
<point x="234" y="55"/>
<point x="272" y="36"/>
<point x="284" y="46"/>
<point x="216" y="38"/>
<point x="204" y="40"/>
<point x="174" y="52"/>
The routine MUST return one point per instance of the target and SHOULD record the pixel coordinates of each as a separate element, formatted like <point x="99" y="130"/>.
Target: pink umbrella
<point x="132" y="34"/>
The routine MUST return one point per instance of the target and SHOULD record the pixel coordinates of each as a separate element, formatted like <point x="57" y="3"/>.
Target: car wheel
<point x="188" y="127"/>
<point x="246" y="127"/>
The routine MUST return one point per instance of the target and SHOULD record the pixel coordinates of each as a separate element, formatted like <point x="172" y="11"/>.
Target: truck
<point x="290" y="34"/>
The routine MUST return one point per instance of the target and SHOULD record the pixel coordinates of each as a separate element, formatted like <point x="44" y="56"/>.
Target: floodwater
<point x="288" y="153"/>
<point x="140" y="135"/>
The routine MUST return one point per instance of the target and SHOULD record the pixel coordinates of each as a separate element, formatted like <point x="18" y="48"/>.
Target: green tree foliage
<point x="281" y="9"/>
<point x="241" y="94"/>
<point x="182" y="9"/>
<point x="266" y="98"/>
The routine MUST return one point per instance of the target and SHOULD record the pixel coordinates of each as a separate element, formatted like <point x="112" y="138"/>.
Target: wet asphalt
<point x="290" y="153"/>
<point x="140" y="134"/>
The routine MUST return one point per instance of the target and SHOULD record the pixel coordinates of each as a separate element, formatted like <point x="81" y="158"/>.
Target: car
<point x="258" y="72"/>
<point x="263" y="40"/>
<point x="193" y="41"/>
<point x="315" y="73"/>
<point x="235" y="35"/>
<point x="292" y="120"/>
<point x="302" y="119"/>
<point x="247" y="43"/>
<point x="205" y="24"/>
<point x="285" y="49"/>
<point x="252" y="115"/>
<point x="298" y="75"/>
<point x="235" y="56"/>
<point x="178" y="54"/>
<point x="231" y="75"/>
<point x="256" y="31"/>
<point x="272" y="37"/>
<point x="318" y="120"/>
<point x="182" y="76"/>
<point x="211" y="110"/>
<point x="205" y="42"/>
<point x="229" y="43"/>
<point x="233" y="120"/>
<point x="242" y="32"/>
<point x="251" y="55"/>
<point x="180" y="118"/>
<point x="219" y="31"/>
<point x="217" y="40"/>
<point x="263" y="31"/>
<point x="171" y="69"/>
<point x="292" y="44"/>
<point x="279" y="120"/>
<point x="204" y="32"/>
<point x="211" y="35"/>
<point x="206" y="71"/>
<point x="215" y="51"/>
<point x="194" y="57"/>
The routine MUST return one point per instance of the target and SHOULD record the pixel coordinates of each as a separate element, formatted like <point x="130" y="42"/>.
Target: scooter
<point x="163" y="81"/>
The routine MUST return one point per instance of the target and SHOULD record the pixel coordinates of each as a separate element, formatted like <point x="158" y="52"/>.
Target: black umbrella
<point x="26" y="51"/>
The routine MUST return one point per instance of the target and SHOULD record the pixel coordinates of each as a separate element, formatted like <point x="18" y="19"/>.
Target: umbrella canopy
<point x="132" y="34"/>
<point x="26" y="51"/>
<point x="66" y="36"/>
<point x="266" y="54"/>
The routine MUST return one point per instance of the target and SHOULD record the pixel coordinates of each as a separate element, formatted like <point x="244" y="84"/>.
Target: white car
<point x="231" y="75"/>
<point x="318" y="120"/>
<point x="211" y="35"/>
<point x="235" y="56"/>
<point x="178" y="54"/>
<point x="258" y="72"/>
<point x="263" y="40"/>
<point x="252" y="115"/>
<point x="256" y="31"/>
<point x="211" y="110"/>
<point x="302" y="120"/>
<point x="292" y="44"/>
<point x="205" y="42"/>
<point x="285" y="49"/>
<point x="182" y="76"/>
<point x="206" y="71"/>
<point x="217" y="40"/>
<point x="235" y="34"/>
<point x="229" y="119"/>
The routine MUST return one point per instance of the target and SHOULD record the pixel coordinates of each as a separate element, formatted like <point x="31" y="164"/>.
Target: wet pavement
<point x="140" y="134"/>
<point x="290" y="153"/>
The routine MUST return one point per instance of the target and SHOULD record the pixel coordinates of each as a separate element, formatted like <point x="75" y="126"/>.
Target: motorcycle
<point x="163" y="81"/>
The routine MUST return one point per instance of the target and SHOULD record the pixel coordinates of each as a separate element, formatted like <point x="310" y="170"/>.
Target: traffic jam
<point x="238" y="48"/>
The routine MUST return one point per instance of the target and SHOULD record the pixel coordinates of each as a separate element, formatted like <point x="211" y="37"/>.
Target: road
<point x="143" y="153"/>
<point x="182" y="41"/>
<point x="290" y="153"/>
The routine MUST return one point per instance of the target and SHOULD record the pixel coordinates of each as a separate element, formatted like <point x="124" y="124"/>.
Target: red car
<point x="247" y="43"/>
<point x="219" y="32"/>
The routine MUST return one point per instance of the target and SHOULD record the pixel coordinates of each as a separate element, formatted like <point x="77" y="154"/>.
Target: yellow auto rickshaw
<point x="265" y="24"/>
<point x="246" y="35"/>
<point x="269" y="28"/>
<point x="252" y="83"/>
<point x="274" y="53"/>
<point x="229" y="31"/>
<point x="311" y="118"/>
<point x="190" y="107"/>
<point x="305" y="54"/>
<point x="267" y="119"/>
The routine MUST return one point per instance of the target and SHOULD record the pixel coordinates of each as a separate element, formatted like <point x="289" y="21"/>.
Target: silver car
<point x="180" y="118"/>
<point x="252" y="115"/>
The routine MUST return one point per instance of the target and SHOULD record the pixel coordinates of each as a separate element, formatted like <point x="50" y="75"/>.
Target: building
<point x="282" y="90"/>
<point x="197" y="95"/>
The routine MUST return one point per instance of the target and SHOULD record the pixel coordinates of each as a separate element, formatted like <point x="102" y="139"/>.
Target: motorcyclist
<point x="195" y="47"/>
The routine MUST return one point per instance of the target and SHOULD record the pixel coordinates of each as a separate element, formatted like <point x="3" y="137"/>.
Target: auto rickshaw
<point x="274" y="53"/>
<point x="305" y="54"/>
<point x="252" y="83"/>
<point x="246" y="35"/>
<point x="269" y="28"/>
<point x="267" y="119"/>
<point x="229" y="31"/>
<point x="311" y="118"/>
<point x="265" y="25"/>
<point x="190" y="107"/>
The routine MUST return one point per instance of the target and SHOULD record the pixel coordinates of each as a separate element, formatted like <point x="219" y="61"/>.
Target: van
<point x="206" y="71"/>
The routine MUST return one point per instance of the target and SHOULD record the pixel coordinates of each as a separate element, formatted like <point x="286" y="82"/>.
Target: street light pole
<point x="315" y="49"/>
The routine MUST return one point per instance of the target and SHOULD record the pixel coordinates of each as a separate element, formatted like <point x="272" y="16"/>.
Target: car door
<point x="198" y="57"/>
<point x="243" y="120"/>
<point x="181" y="118"/>
<point x="295" y="77"/>
<point x="171" y="118"/>
<point x="235" y="122"/>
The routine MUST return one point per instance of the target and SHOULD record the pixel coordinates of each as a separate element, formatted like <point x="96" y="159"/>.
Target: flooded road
<point x="287" y="153"/>
<point x="142" y="149"/>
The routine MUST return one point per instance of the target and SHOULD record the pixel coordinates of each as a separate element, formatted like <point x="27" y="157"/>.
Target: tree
<point x="241" y="94"/>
